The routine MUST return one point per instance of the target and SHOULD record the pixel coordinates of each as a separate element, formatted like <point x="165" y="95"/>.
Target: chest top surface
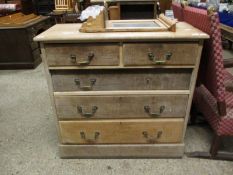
<point x="70" y="33"/>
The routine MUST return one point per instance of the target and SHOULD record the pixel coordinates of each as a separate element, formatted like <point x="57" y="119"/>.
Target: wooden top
<point x="19" y="20"/>
<point x="70" y="33"/>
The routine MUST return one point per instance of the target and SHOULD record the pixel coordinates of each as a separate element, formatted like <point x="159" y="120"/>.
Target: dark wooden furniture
<point x="72" y="18"/>
<point x="227" y="33"/>
<point x="44" y="7"/>
<point x="6" y="11"/>
<point x="132" y="9"/>
<point x="57" y="17"/>
<point x="17" y="48"/>
<point x="27" y="7"/>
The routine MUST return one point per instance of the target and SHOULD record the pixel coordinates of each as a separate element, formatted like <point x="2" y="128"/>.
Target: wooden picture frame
<point x="101" y="24"/>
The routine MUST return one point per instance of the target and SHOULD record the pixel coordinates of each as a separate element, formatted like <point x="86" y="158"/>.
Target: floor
<point x="28" y="141"/>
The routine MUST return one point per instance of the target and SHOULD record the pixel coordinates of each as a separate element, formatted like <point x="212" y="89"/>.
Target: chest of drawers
<point x="17" y="49"/>
<point x="121" y="94"/>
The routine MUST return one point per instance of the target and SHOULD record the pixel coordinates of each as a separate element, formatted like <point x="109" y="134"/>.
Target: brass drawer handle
<point x="152" y="139"/>
<point x="87" y="114"/>
<point x="73" y="58"/>
<point x="89" y="140"/>
<point x="154" y="114"/>
<point x="90" y="56"/>
<point x="154" y="59"/>
<point x="85" y="88"/>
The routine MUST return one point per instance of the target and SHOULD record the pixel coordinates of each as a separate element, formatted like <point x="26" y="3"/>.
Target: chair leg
<point x="215" y="146"/>
<point x="214" y="152"/>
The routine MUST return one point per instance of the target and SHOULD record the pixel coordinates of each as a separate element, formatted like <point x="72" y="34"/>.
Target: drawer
<point x="109" y="80"/>
<point x="160" y="53"/>
<point x="82" y="54"/>
<point x="122" y="131"/>
<point x="133" y="106"/>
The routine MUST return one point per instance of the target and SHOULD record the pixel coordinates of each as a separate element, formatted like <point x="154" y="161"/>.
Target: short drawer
<point x="119" y="106"/>
<point x="135" y="54"/>
<point x="82" y="54"/>
<point x="122" y="131"/>
<point x="110" y="80"/>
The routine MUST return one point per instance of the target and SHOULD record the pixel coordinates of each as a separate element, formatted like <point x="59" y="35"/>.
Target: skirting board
<point x="122" y="151"/>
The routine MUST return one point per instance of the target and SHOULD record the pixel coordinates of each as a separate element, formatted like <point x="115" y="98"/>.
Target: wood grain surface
<point x="122" y="131"/>
<point x="122" y="151"/>
<point x="182" y="53"/>
<point x="104" y="54"/>
<point x="121" y="106"/>
<point x="147" y="79"/>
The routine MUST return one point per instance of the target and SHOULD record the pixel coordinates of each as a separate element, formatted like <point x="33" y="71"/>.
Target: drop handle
<point x="156" y="60"/>
<point x="152" y="138"/>
<point x="87" y="114"/>
<point x="90" y="140"/>
<point x="73" y="58"/>
<point x="85" y="88"/>
<point x="84" y="61"/>
<point x="148" y="110"/>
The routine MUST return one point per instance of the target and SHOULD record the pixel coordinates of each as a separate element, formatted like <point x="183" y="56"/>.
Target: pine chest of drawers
<point x="121" y="94"/>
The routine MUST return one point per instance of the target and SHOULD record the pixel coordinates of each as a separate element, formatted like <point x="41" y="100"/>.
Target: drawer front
<point x="122" y="131"/>
<point x="82" y="54"/>
<point x="134" y="106"/>
<point x="108" y="80"/>
<point x="160" y="53"/>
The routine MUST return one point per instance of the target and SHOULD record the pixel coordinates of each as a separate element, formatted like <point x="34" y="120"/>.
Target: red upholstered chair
<point x="178" y="11"/>
<point x="211" y="96"/>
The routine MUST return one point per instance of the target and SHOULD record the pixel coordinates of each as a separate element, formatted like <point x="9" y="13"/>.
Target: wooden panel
<point x="134" y="106"/>
<point x="78" y="54"/>
<point x="144" y="79"/>
<point x="121" y="131"/>
<point x="18" y="51"/>
<point x="154" y="53"/>
<point x="122" y="151"/>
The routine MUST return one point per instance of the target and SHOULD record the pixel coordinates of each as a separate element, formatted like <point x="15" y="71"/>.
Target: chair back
<point x="63" y="4"/>
<point x="178" y="11"/>
<point x="211" y="72"/>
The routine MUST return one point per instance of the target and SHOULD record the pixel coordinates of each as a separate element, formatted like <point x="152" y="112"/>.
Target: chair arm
<point x="208" y="97"/>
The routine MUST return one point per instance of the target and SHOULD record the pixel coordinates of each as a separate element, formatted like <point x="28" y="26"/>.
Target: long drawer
<point x="133" y="106"/>
<point x="160" y="53"/>
<point x="82" y="54"/>
<point x="110" y="80"/>
<point x="121" y="131"/>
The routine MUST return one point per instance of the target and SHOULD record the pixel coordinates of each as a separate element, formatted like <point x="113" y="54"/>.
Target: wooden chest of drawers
<point x="17" y="48"/>
<point x="121" y="94"/>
